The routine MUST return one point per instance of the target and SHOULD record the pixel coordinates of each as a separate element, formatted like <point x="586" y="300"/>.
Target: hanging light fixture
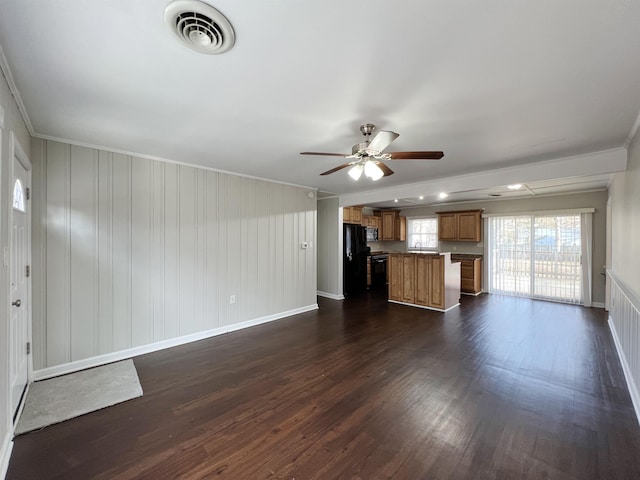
<point x="372" y="170"/>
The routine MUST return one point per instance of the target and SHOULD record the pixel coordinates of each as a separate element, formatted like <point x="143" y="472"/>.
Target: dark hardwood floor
<point x="500" y="388"/>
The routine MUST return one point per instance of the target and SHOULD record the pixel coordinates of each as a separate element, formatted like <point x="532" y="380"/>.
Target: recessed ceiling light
<point x="395" y="200"/>
<point x="421" y="197"/>
<point x="515" y="186"/>
<point x="442" y="195"/>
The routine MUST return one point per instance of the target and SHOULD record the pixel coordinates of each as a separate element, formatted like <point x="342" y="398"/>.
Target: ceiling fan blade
<point x="382" y="140"/>
<point x="344" y="165"/>
<point x="343" y="155"/>
<point x="416" y="155"/>
<point x="387" y="171"/>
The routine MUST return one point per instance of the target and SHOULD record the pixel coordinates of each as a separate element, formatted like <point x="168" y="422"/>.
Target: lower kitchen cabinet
<point x="395" y="267"/>
<point x="470" y="274"/>
<point x="408" y="278"/>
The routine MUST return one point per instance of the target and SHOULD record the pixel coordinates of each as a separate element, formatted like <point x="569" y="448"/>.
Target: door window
<point x="18" y="196"/>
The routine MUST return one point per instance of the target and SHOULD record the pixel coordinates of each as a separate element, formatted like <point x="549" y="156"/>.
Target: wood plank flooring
<point x="500" y="388"/>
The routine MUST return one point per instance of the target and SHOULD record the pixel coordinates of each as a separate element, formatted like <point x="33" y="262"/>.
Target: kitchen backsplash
<point x="387" y="246"/>
<point x="462" y="247"/>
<point x="453" y="247"/>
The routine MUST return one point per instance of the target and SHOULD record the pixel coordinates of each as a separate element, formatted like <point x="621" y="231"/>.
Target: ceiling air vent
<point x="200" y="26"/>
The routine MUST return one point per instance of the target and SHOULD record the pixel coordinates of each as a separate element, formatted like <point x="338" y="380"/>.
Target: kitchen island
<point x="425" y="280"/>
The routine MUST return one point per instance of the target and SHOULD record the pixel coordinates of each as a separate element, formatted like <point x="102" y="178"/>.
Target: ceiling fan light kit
<point x="356" y="171"/>
<point x="367" y="156"/>
<point x="373" y="171"/>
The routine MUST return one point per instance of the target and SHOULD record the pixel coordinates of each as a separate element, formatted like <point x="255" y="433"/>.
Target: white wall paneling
<point x="140" y="252"/>
<point x="624" y="322"/>
<point x="58" y="257"/>
<point x="329" y="248"/>
<point x="624" y="274"/>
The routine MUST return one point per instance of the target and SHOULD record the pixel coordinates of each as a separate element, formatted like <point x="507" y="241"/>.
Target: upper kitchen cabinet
<point x="352" y="215"/>
<point x="460" y="226"/>
<point x="371" y="221"/>
<point x="394" y="227"/>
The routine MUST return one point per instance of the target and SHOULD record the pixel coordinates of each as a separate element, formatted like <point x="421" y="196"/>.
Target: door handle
<point x="17" y="303"/>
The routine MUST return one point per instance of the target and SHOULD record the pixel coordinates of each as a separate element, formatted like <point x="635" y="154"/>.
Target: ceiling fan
<point x="367" y="156"/>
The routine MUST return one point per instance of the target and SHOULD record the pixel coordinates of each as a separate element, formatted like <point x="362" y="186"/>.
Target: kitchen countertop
<point x="459" y="256"/>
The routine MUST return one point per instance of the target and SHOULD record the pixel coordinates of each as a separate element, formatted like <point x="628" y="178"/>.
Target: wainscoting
<point x="624" y="321"/>
<point x="131" y="252"/>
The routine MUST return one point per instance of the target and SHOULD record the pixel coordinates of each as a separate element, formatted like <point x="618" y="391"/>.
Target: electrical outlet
<point x="232" y="299"/>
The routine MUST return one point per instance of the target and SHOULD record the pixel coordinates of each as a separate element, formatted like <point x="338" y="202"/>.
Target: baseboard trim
<point x="332" y="296"/>
<point x="597" y="304"/>
<point x="5" y="453"/>
<point x="96" y="361"/>
<point x="471" y="294"/>
<point x="424" y="307"/>
<point x="631" y="385"/>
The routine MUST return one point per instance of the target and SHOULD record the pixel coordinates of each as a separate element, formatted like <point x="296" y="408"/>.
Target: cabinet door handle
<point x="17" y="303"/>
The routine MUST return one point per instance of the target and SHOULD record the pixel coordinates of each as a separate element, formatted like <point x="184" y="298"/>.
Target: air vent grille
<point x="200" y="26"/>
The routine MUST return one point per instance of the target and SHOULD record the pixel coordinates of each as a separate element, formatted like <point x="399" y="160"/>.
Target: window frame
<point x="429" y="248"/>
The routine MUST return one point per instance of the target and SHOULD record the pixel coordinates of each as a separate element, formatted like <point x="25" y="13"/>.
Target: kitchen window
<point x="422" y="233"/>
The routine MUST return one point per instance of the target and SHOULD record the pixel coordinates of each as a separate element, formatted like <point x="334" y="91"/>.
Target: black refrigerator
<point x="355" y="259"/>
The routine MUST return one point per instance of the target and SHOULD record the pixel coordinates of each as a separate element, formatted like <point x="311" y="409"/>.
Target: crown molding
<point x="633" y="131"/>
<point x="166" y="160"/>
<point x="4" y="66"/>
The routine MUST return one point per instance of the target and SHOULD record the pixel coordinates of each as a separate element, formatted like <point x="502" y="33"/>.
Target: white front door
<point x="19" y="284"/>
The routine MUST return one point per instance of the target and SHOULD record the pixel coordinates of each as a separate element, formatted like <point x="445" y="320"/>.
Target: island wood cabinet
<point x="394" y="227"/>
<point x="395" y="270"/>
<point x="461" y="226"/>
<point x="401" y="270"/>
<point x="352" y="215"/>
<point x="425" y="280"/>
<point x="430" y="281"/>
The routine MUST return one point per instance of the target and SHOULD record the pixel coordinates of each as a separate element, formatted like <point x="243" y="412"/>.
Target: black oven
<point x="378" y="271"/>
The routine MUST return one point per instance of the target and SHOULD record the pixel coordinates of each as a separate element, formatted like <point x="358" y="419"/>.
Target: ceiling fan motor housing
<point x="367" y="128"/>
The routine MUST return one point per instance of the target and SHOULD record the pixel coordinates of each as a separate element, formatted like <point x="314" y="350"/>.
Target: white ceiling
<point x="493" y="84"/>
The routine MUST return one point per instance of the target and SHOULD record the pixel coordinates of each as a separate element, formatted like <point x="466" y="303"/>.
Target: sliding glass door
<point x="536" y="256"/>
